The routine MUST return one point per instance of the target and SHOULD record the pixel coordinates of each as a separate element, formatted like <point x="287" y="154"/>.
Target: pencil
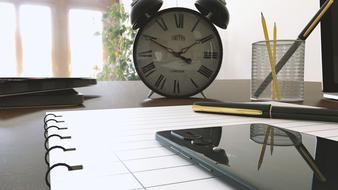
<point x="305" y="33"/>
<point x="310" y="161"/>
<point x="306" y="156"/>
<point x="301" y="37"/>
<point x="275" y="59"/>
<point x="261" y="156"/>
<point x="268" y="46"/>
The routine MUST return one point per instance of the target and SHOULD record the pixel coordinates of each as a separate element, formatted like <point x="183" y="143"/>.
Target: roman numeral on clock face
<point x="148" y="69"/>
<point x="162" y="24"/>
<point x="194" y="83"/>
<point x="195" y="25"/>
<point x="179" y="20"/>
<point x="210" y="55"/>
<point x="160" y="82"/>
<point x="146" y="54"/>
<point x="176" y="87"/>
<point x="205" y="71"/>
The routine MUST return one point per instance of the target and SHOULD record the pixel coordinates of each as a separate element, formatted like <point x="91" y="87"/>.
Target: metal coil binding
<point x="54" y="118"/>
<point x="70" y="168"/>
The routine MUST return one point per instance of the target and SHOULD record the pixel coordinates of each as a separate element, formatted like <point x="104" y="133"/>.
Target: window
<point x="7" y="40"/>
<point x="51" y="37"/>
<point x="85" y="42"/>
<point x="35" y="24"/>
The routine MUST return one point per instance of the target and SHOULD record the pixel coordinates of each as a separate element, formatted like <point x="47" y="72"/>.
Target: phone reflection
<point x="268" y="135"/>
<point x="204" y="141"/>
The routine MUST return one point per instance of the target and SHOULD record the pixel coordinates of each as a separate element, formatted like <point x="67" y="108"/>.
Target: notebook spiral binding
<point x="55" y="119"/>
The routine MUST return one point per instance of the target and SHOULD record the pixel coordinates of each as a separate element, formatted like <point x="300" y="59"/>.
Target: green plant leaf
<point x="118" y="37"/>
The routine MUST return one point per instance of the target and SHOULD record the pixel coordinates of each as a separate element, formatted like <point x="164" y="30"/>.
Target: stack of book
<point x="41" y="92"/>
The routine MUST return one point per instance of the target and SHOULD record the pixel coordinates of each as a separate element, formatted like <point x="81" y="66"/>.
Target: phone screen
<point x="259" y="155"/>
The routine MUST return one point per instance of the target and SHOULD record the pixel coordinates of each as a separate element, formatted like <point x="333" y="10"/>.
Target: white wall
<point x="244" y="28"/>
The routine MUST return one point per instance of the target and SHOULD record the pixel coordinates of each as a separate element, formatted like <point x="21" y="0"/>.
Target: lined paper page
<point x="118" y="150"/>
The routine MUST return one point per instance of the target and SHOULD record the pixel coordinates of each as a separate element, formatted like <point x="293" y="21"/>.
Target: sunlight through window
<point x="35" y="23"/>
<point x="7" y="40"/>
<point x="85" y="43"/>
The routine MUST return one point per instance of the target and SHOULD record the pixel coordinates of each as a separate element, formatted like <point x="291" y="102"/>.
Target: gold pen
<point x="267" y="111"/>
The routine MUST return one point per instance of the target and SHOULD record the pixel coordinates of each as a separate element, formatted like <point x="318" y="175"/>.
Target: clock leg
<point x="150" y="94"/>
<point x="203" y="95"/>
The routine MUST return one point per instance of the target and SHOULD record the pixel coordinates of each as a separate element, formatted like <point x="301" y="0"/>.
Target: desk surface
<point x="21" y="132"/>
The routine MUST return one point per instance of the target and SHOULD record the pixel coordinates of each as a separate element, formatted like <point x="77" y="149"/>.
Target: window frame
<point x="60" y="35"/>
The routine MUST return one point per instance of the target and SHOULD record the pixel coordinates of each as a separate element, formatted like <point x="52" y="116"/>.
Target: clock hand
<point x="165" y="47"/>
<point x="187" y="60"/>
<point x="176" y="54"/>
<point x="153" y="39"/>
<point x="199" y="41"/>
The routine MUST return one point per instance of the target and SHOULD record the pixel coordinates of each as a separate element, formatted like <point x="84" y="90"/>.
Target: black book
<point x="16" y="86"/>
<point x="57" y="98"/>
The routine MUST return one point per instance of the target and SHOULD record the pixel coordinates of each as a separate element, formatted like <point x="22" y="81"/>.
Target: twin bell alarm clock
<point x="178" y="51"/>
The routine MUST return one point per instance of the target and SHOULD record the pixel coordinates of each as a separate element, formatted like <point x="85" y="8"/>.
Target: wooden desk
<point x="22" y="165"/>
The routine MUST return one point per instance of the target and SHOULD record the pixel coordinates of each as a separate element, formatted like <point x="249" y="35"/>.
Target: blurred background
<point x="93" y="38"/>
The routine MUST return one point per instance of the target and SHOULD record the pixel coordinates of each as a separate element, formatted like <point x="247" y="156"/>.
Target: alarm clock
<point x="178" y="52"/>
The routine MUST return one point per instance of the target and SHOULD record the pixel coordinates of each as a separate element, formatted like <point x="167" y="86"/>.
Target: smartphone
<point x="258" y="156"/>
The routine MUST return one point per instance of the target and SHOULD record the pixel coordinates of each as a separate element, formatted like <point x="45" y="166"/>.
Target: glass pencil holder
<point x="290" y="78"/>
<point x="280" y="137"/>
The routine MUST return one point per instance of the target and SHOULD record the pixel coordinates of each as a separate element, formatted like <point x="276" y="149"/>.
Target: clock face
<point x="178" y="53"/>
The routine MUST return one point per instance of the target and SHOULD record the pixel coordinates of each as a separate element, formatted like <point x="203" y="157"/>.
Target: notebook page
<point x="118" y="150"/>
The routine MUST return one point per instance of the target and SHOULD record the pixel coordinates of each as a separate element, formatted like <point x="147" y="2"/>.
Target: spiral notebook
<point x="116" y="149"/>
